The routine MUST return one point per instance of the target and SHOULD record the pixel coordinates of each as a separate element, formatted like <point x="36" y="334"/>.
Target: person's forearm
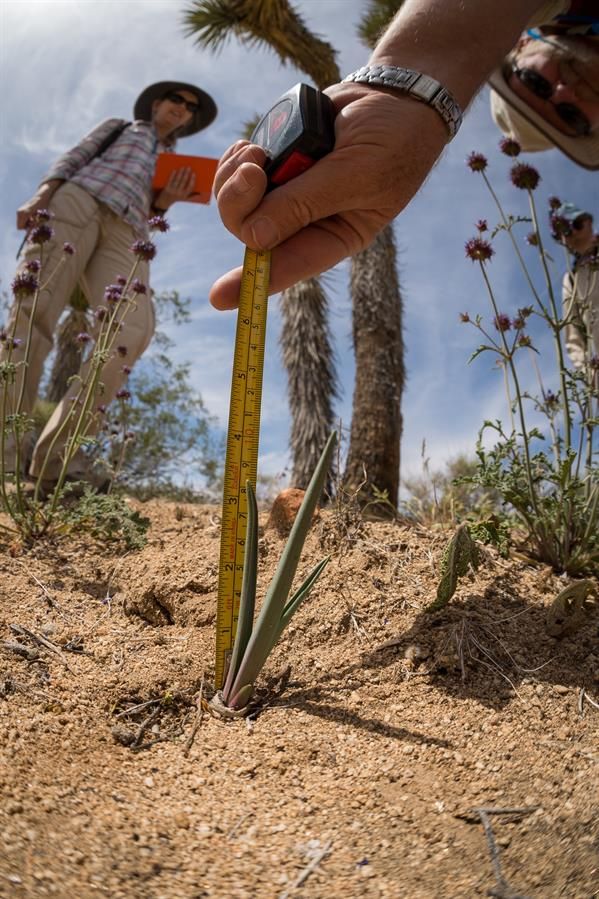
<point x="458" y="42"/>
<point x="47" y="189"/>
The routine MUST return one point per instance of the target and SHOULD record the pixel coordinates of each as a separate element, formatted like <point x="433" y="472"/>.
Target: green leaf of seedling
<point x="460" y="553"/>
<point x="298" y="597"/>
<point x="247" y="601"/>
<point x="268" y="623"/>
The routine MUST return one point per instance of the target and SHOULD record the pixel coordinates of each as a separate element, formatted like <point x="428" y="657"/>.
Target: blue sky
<point x="67" y="64"/>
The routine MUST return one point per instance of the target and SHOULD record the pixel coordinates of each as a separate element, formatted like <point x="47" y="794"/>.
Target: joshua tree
<point x="305" y="337"/>
<point x="277" y="24"/>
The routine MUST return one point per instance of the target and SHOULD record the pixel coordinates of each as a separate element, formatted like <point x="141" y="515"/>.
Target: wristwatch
<point x="413" y="84"/>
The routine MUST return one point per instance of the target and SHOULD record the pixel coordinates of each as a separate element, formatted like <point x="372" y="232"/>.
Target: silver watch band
<point x="414" y="84"/>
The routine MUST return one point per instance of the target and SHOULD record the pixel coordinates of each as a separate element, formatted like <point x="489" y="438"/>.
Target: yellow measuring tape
<point x="243" y="434"/>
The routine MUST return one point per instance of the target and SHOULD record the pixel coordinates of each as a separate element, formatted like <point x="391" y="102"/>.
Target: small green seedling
<point x="254" y="642"/>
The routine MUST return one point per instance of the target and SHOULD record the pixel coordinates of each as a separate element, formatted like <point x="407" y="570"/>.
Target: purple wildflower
<point x="159" y="223"/>
<point x="68" y="249"/>
<point x="126" y="369"/>
<point x="24" y="285"/>
<point x="34" y="265"/>
<point x="476" y="162"/>
<point x="123" y="394"/>
<point x="138" y="286"/>
<point x="83" y="337"/>
<point x="100" y="313"/>
<point x="41" y="215"/>
<point x="554" y="203"/>
<point x="16" y="342"/>
<point x="478" y="249"/>
<point x="482" y="225"/>
<point x="113" y="293"/>
<point x="121" y="280"/>
<point x="524" y="176"/>
<point x="102" y="409"/>
<point x="145" y="249"/>
<point x="502" y="322"/>
<point x="41" y="234"/>
<point x="509" y="146"/>
<point x="122" y="350"/>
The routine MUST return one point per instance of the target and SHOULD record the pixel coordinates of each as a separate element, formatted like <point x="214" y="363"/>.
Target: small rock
<point x="284" y="510"/>
<point x="182" y="820"/>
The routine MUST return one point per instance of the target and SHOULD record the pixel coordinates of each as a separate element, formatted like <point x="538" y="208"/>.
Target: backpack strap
<point x="110" y="139"/>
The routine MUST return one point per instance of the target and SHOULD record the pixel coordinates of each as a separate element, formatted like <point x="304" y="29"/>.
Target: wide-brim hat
<point x="201" y="119"/>
<point x="517" y="120"/>
<point x="571" y="212"/>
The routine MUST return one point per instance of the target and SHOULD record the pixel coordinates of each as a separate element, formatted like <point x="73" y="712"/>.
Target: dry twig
<point x="305" y="873"/>
<point x="502" y="890"/>
<point x="41" y="641"/>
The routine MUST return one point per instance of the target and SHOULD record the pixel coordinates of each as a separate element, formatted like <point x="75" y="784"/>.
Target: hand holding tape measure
<point x="295" y="133"/>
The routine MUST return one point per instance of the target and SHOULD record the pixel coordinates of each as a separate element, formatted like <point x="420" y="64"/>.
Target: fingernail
<point x="240" y="182"/>
<point x="265" y="233"/>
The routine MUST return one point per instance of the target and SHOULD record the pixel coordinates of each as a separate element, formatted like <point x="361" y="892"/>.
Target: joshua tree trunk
<point x="307" y="356"/>
<point x="378" y="344"/>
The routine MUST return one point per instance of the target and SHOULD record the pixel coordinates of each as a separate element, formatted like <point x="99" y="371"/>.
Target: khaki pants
<point x="101" y="241"/>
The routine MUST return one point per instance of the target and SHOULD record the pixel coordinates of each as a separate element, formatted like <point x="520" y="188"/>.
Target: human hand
<point x="385" y="146"/>
<point x="179" y="186"/>
<point x="24" y="212"/>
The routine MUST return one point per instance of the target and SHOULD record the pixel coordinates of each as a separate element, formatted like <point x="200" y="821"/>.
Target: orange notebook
<point x="203" y="166"/>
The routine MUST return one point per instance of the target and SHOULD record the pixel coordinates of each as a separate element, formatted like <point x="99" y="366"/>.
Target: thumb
<point x="310" y="197"/>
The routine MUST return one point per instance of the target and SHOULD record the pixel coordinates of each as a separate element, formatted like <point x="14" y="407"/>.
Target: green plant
<point x="442" y="497"/>
<point x="461" y="554"/>
<point x="38" y="511"/>
<point x="107" y="517"/>
<point x="544" y="464"/>
<point x="254" y="642"/>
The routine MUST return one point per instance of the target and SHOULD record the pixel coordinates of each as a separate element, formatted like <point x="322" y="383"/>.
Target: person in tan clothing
<point x="100" y="197"/>
<point x="580" y="289"/>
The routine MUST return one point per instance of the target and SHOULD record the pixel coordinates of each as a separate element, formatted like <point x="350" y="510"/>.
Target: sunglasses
<point x="569" y="114"/>
<point x="579" y="223"/>
<point x="178" y="100"/>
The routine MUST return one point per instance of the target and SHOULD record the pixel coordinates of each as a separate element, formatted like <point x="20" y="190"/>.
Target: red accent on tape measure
<point x="296" y="164"/>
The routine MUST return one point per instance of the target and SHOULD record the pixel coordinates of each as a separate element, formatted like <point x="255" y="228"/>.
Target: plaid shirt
<point x="122" y="176"/>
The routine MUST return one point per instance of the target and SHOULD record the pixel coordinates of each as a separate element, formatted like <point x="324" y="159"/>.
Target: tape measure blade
<point x="243" y="433"/>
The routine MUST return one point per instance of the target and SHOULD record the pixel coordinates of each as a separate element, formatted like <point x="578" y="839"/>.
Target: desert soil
<point x="362" y="772"/>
